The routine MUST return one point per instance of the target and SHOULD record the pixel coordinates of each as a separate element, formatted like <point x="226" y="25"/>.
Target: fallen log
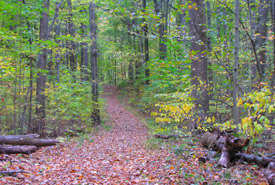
<point x="229" y="147"/>
<point x="166" y="136"/>
<point x="17" y="149"/>
<point x="31" y="139"/>
<point x="12" y="172"/>
<point x="224" y="143"/>
<point x="261" y="161"/>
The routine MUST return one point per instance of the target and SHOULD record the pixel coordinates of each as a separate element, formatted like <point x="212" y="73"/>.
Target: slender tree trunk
<point x="160" y="9"/>
<point x="84" y="58"/>
<point x="30" y="126"/>
<point x="236" y="62"/>
<point x="57" y="56"/>
<point x="72" y="61"/>
<point x="130" y="67"/>
<point x="41" y="76"/>
<point x="94" y="69"/>
<point x="146" y="47"/>
<point x="199" y="59"/>
<point x="209" y="24"/>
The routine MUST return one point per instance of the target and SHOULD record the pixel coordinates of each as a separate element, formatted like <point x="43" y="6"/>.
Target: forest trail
<point x="115" y="156"/>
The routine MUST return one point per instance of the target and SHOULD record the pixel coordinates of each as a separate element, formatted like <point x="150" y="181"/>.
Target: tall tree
<point x="261" y="36"/>
<point x="161" y="9"/>
<point x="94" y="69"/>
<point x="84" y="59"/>
<point x="71" y="30"/>
<point x="198" y="51"/>
<point x="146" y="45"/>
<point x="130" y="67"/>
<point x="41" y="76"/>
<point x="236" y="62"/>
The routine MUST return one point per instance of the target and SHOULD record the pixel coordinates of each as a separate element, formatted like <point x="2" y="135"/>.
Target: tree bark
<point x="95" y="92"/>
<point x="261" y="36"/>
<point x="198" y="51"/>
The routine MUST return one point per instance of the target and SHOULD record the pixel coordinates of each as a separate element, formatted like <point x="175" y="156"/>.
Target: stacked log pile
<point x="24" y="144"/>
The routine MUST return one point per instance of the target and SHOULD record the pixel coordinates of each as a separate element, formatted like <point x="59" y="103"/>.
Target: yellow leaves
<point x="171" y="112"/>
<point x="246" y="123"/>
<point x="240" y="102"/>
<point x="210" y="120"/>
<point x="270" y="109"/>
<point x="190" y="7"/>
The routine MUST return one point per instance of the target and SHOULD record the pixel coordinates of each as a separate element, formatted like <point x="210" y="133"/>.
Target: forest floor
<point x="120" y="155"/>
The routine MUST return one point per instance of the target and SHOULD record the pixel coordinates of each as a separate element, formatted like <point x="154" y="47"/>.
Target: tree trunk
<point x="41" y="76"/>
<point x="72" y="61"/>
<point x="161" y="9"/>
<point x="95" y="92"/>
<point x="236" y="63"/>
<point x="261" y="36"/>
<point x="57" y="56"/>
<point x="84" y="58"/>
<point x="199" y="55"/>
<point x="146" y="46"/>
<point x="130" y="67"/>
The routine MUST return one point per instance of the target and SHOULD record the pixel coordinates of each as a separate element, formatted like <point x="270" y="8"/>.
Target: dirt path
<point x="117" y="156"/>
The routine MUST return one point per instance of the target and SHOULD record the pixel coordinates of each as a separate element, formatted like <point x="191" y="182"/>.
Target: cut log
<point x="17" y="149"/>
<point x="31" y="139"/>
<point x="224" y="143"/>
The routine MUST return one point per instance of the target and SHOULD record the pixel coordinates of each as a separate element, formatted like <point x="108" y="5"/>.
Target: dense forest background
<point x="195" y="64"/>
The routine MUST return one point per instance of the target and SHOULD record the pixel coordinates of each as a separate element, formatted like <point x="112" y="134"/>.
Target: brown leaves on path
<point x="117" y="156"/>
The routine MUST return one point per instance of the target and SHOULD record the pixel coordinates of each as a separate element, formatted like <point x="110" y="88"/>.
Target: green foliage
<point x="259" y="105"/>
<point x="70" y="100"/>
<point x="257" y="109"/>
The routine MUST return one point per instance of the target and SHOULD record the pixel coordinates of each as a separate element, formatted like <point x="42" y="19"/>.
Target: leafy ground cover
<point x="121" y="155"/>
